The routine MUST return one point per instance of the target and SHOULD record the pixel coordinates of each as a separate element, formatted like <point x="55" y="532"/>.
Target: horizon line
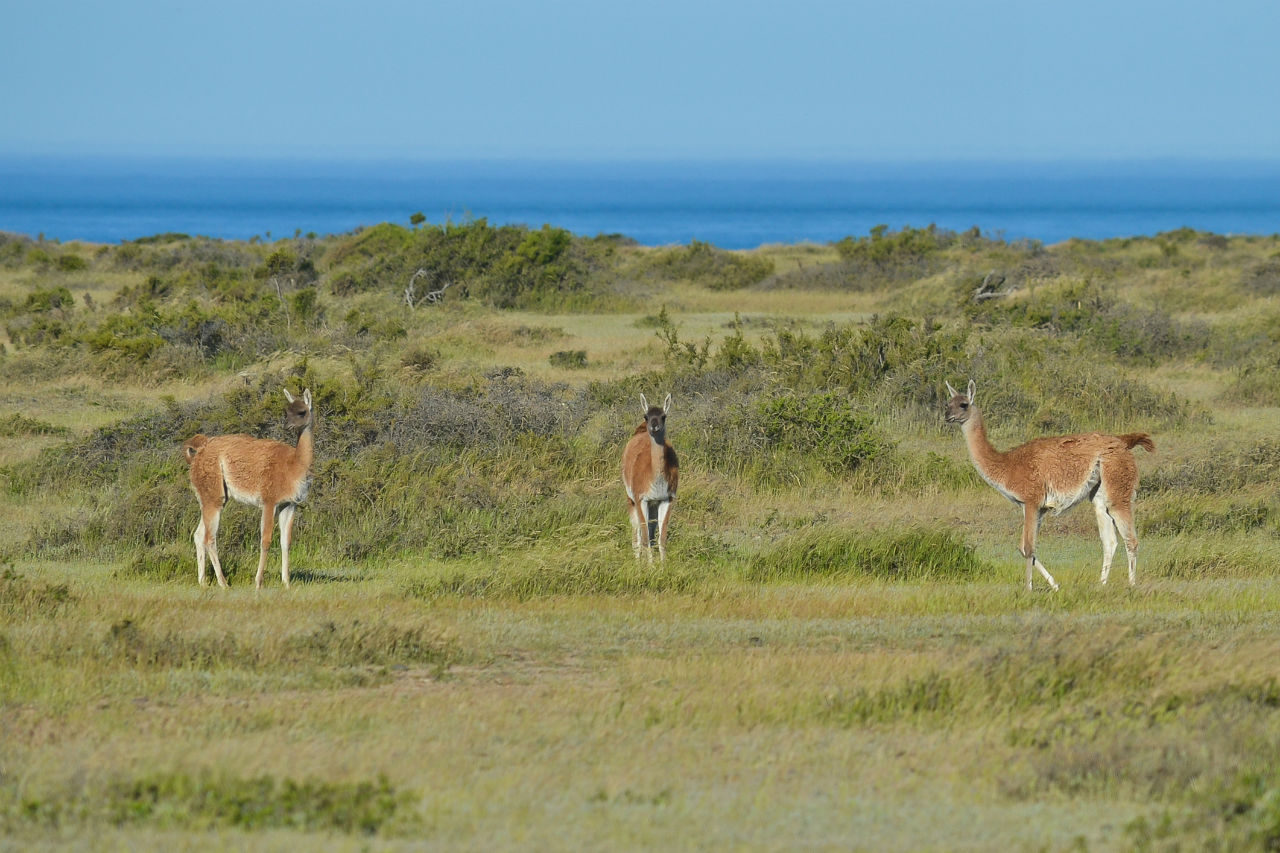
<point x="657" y="159"/>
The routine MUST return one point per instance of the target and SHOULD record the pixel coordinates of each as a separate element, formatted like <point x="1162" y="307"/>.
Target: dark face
<point x="655" y="421"/>
<point x="297" y="414"/>
<point x="959" y="409"/>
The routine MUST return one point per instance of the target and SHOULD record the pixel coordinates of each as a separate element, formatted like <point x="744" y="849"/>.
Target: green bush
<point x="895" y="254"/>
<point x="823" y="425"/>
<point x="703" y="263"/>
<point x="54" y="298"/>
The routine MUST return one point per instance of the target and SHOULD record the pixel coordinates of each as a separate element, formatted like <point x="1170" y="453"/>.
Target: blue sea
<point x="731" y="204"/>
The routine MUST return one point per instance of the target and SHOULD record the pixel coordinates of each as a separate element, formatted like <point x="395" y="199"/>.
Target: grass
<point x="838" y="652"/>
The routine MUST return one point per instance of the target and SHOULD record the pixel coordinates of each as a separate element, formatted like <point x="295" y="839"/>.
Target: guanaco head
<point x="960" y="407"/>
<point x="298" y="414"/>
<point x="192" y="446"/>
<point x="655" y="418"/>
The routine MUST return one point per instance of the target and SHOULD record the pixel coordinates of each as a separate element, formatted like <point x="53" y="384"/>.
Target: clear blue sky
<point x="647" y="80"/>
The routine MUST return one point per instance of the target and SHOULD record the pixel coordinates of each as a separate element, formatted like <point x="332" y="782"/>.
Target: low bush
<point x="506" y="266"/>
<point x="908" y="253"/>
<point x="823" y="425"/>
<point x="570" y="359"/>
<point x="703" y="263"/>
<point x="1219" y="469"/>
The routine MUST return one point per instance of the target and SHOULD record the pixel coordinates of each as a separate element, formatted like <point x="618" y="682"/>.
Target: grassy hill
<point x="839" y="651"/>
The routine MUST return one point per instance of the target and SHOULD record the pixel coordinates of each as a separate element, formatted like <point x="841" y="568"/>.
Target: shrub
<point x="539" y="268"/>
<point x="54" y="298"/>
<point x="1263" y="278"/>
<point x="571" y="359"/>
<point x="419" y="358"/>
<point x="1072" y="305"/>
<point x="1256" y="383"/>
<point x="718" y="269"/>
<point x="896" y="254"/>
<point x="823" y="425"/>
<point x="1146" y="336"/>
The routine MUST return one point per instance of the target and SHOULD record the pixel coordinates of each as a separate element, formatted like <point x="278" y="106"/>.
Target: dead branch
<point x="411" y="297"/>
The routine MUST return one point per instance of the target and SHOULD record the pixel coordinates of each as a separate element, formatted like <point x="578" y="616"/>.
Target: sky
<point x="653" y="80"/>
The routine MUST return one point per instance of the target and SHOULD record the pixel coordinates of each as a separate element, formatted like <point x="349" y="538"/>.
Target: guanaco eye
<point x="964" y="405"/>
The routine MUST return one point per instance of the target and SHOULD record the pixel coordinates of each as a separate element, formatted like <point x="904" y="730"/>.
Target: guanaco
<point x="650" y="474"/>
<point x="1054" y="474"/>
<point x="254" y="471"/>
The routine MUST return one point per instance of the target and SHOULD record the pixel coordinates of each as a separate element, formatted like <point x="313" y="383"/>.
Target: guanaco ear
<point x="306" y="397"/>
<point x="951" y="391"/>
<point x="287" y="395"/>
<point x="666" y="404"/>
<point x="972" y="388"/>
<point x="644" y="404"/>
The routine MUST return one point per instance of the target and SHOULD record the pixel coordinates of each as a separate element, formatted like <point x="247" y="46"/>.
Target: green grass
<point x="838" y="652"/>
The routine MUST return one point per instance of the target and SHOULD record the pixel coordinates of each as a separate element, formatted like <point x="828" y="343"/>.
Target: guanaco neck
<point x="658" y="456"/>
<point x="989" y="461"/>
<point x="306" y="447"/>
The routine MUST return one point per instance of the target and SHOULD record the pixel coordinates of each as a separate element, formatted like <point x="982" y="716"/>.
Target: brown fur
<point x="192" y="446"/>
<point x="650" y="474"/>
<point x="1054" y="474"/>
<point x="256" y="471"/>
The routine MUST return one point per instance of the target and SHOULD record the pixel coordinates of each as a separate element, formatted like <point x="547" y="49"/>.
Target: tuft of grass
<point x="133" y="643"/>
<point x="580" y="573"/>
<point x="932" y="693"/>
<point x="1190" y="558"/>
<point x="23" y="598"/>
<point x="912" y="555"/>
<point x="1198" y="513"/>
<point x="18" y="424"/>
<point x="206" y="800"/>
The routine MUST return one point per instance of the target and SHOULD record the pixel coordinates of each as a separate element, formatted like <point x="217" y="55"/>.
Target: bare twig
<point x="987" y="290"/>
<point x="275" y="279"/>
<point x="411" y="297"/>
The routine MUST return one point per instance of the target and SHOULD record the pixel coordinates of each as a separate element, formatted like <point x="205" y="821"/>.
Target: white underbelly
<point x="658" y="490"/>
<point x="243" y="497"/>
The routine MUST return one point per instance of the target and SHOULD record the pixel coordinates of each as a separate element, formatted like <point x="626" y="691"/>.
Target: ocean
<point x="732" y="205"/>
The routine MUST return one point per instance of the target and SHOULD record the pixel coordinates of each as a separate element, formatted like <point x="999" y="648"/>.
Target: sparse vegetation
<point x="471" y="657"/>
